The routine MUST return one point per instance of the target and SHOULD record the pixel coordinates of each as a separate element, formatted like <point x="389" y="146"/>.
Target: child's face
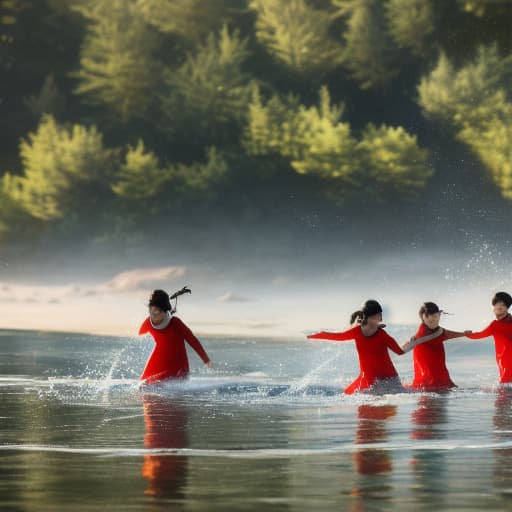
<point x="156" y="314"/>
<point x="374" y="320"/>
<point x="500" y="309"/>
<point x="431" y="321"/>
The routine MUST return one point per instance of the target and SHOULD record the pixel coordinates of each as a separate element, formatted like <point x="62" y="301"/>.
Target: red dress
<point x="374" y="360"/>
<point x="169" y="357"/>
<point x="430" y="372"/>
<point x="501" y="330"/>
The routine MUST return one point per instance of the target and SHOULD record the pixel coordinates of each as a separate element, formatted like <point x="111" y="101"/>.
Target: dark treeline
<point x="119" y="115"/>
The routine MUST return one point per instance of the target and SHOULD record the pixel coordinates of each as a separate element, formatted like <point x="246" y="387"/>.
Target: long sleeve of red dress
<point x="429" y="361"/>
<point x="374" y="361"/>
<point x="169" y="358"/>
<point x="347" y="335"/>
<point x="501" y="331"/>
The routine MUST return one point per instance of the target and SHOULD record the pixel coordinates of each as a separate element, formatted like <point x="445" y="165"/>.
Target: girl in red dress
<point x="169" y="358"/>
<point x="372" y="344"/>
<point x="430" y="372"/>
<point x="501" y="330"/>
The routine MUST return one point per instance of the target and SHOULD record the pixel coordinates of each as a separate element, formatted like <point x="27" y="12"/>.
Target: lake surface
<point x="267" y="428"/>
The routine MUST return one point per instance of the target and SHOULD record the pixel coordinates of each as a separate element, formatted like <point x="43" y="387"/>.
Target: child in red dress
<point x="501" y="330"/>
<point x="372" y="344"/>
<point x="169" y="358"/>
<point x="430" y="372"/>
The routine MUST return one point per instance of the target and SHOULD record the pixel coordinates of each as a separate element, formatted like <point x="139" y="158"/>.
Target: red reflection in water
<point x="166" y="427"/>
<point x="372" y="429"/>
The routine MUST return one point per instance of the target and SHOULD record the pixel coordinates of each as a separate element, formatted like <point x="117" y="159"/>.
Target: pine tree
<point x="315" y="141"/>
<point x="210" y="90"/>
<point x="297" y="35"/>
<point x="369" y="54"/>
<point x="117" y="67"/>
<point x="411" y="24"/>
<point x="190" y="19"/>
<point x="473" y="101"/>
<point x="63" y="168"/>
<point x="394" y="161"/>
<point x="140" y="176"/>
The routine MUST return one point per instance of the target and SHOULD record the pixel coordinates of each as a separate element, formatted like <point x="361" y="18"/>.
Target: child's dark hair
<point x="160" y="299"/>
<point x="502" y="297"/>
<point x="429" y="308"/>
<point x="369" y="308"/>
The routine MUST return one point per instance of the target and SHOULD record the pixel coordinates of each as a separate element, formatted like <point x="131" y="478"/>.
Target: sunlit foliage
<point x="117" y="66"/>
<point x="315" y="141"/>
<point x="297" y="35"/>
<point x="210" y="89"/>
<point x="143" y="180"/>
<point x="410" y="23"/>
<point x="190" y="19"/>
<point x="394" y="160"/>
<point x="473" y="100"/>
<point x="63" y="168"/>
<point x="369" y="53"/>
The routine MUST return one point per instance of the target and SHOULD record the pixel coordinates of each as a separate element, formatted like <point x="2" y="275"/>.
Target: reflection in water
<point x="502" y="421"/>
<point x="372" y="429"/>
<point x="428" y="417"/>
<point x="166" y="427"/>
<point x="429" y="421"/>
<point x="372" y="463"/>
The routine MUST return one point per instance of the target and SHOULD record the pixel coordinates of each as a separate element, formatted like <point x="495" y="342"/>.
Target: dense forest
<point x="121" y="118"/>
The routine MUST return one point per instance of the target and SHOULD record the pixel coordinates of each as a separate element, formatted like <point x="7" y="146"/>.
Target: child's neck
<point x="502" y="316"/>
<point x="369" y="330"/>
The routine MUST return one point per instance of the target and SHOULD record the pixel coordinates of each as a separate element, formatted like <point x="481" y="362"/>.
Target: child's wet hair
<point x="369" y="308"/>
<point x="502" y="297"/>
<point x="429" y="308"/>
<point x="160" y="299"/>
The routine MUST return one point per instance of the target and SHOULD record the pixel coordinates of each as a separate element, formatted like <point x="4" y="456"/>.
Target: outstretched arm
<point x="334" y="336"/>
<point x="413" y="342"/>
<point x="450" y="335"/>
<point x="482" y="334"/>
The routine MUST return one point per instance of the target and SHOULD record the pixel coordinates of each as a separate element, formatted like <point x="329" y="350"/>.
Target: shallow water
<point x="267" y="428"/>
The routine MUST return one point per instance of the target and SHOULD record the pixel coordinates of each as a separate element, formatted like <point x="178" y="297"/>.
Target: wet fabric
<point x="429" y="359"/>
<point x="169" y="357"/>
<point x="501" y="331"/>
<point x="374" y="361"/>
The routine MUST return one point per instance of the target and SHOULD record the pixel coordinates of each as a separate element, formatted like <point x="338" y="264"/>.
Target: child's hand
<point x="381" y="326"/>
<point x="209" y="364"/>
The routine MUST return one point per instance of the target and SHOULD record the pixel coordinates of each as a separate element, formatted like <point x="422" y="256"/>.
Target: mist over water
<point x="264" y="281"/>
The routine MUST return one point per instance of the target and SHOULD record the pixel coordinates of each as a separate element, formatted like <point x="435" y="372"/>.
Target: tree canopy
<point x="114" y="109"/>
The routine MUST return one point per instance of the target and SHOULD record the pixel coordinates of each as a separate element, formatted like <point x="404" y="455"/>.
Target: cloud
<point x="231" y="297"/>
<point x="143" y="279"/>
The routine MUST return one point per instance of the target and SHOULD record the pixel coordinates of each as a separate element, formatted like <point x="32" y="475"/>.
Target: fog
<point x="273" y="281"/>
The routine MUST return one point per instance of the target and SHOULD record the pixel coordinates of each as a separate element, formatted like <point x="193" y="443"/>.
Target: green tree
<point x="64" y="170"/>
<point x="117" y="65"/>
<point x="190" y="19"/>
<point x="315" y="141"/>
<point x="143" y="181"/>
<point x="395" y="162"/>
<point x="411" y="24"/>
<point x="370" y="54"/>
<point x="210" y="90"/>
<point x="140" y="176"/>
<point x="297" y="35"/>
<point x="472" y="100"/>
